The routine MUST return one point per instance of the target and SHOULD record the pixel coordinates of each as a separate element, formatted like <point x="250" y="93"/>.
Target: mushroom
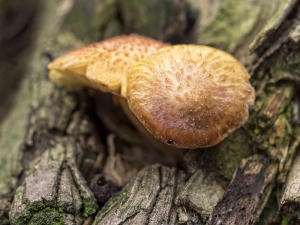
<point x="102" y="65"/>
<point x="186" y="96"/>
<point x="189" y="96"/>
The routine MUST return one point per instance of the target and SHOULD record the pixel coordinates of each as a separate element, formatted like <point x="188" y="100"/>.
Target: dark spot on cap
<point x="170" y="141"/>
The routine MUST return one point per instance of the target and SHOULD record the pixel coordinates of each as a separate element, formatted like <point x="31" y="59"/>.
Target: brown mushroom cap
<point x="189" y="96"/>
<point x="102" y="65"/>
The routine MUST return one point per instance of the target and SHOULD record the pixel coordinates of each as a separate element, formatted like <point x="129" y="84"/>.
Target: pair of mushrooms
<point x="187" y="96"/>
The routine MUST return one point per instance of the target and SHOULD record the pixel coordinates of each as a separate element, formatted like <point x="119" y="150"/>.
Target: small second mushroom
<point x="104" y="66"/>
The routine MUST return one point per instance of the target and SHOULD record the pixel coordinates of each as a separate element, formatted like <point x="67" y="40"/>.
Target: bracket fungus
<point x="186" y="96"/>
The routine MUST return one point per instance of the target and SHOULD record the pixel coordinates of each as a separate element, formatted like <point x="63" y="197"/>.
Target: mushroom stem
<point x="168" y="150"/>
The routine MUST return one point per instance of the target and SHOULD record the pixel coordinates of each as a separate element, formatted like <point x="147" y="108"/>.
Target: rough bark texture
<point x="74" y="158"/>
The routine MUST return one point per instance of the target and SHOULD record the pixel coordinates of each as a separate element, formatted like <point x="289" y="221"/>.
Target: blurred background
<point x="18" y="22"/>
<point x="216" y="23"/>
<point x="20" y="19"/>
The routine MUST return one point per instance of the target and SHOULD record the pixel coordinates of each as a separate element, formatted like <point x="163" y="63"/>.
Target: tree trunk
<point x="74" y="158"/>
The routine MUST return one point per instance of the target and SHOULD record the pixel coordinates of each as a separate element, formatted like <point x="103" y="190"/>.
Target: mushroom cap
<point x="102" y="65"/>
<point x="189" y="96"/>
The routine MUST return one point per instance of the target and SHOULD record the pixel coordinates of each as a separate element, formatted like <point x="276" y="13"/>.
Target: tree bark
<point x="73" y="158"/>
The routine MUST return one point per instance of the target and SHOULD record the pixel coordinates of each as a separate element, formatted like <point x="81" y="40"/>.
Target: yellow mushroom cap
<point x="102" y="65"/>
<point x="190" y="96"/>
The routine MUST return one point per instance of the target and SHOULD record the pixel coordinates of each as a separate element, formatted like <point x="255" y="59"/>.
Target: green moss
<point x="274" y="21"/>
<point x="155" y="11"/>
<point x="229" y="153"/>
<point x="286" y="62"/>
<point x="47" y="216"/>
<point x="286" y="220"/>
<point x="111" y="204"/>
<point x="234" y="21"/>
<point x="90" y="19"/>
<point x="88" y="207"/>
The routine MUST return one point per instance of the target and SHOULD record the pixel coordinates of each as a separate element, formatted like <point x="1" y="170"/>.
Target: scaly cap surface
<point x="102" y="65"/>
<point x="189" y="96"/>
